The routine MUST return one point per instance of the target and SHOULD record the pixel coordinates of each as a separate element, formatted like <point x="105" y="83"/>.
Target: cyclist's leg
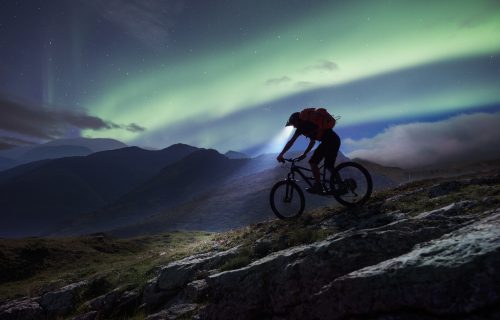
<point x="332" y="150"/>
<point x="331" y="156"/>
<point x="315" y="160"/>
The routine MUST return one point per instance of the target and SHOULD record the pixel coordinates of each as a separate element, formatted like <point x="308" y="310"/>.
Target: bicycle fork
<point x="288" y="193"/>
<point x="289" y="188"/>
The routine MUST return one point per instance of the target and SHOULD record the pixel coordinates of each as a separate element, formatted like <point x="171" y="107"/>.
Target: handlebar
<point x="291" y="160"/>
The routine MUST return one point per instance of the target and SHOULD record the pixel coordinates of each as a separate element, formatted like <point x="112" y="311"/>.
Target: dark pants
<point x="328" y="149"/>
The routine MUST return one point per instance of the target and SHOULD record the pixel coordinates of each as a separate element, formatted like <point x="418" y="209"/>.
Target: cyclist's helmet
<point x="294" y="118"/>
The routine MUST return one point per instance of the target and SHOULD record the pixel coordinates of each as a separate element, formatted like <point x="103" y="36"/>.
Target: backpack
<point x="319" y="117"/>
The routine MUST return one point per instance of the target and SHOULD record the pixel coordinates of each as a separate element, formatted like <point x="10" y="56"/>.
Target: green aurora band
<point x="336" y="45"/>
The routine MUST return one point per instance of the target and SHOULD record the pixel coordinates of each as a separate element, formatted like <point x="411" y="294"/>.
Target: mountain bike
<point x="350" y="184"/>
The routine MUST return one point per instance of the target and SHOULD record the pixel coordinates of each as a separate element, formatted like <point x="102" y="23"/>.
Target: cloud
<point x="21" y="120"/>
<point x="323" y="65"/>
<point x="466" y="137"/>
<point x="149" y="21"/>
<point x="134" y="128"/>
<point x="278" y="81"/>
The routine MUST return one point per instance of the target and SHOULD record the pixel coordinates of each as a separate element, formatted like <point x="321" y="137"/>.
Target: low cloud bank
<point x="19" y="123"/>
<point x="462" y="138"/>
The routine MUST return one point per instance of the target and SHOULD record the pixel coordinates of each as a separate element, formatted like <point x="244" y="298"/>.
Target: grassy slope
<point x="32" y="266"/>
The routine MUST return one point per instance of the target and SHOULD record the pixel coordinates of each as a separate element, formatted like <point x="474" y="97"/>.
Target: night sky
<point x="414" y="81"/>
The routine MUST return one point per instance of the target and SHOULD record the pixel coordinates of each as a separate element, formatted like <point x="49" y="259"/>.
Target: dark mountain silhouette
<point x="7" y="163"/>
<point x="14" y="153"/>
<point x="199" y="171"/>
<point x="140" y="191"/>
<point x="20" y="169"/>
<point x="57" y="149"/>
<point x="179" y="183"/>
<point x="39" y="195"/>
<point x="53" y="152"/>
<point x="236" y="155"/>
<point x="206" y="191"/>
<point x="94" y="144"/>
<point x="237" y="202"/>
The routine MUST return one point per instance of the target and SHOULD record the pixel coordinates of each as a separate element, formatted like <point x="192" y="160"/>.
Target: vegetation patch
<point x="32" y="266"/>
<point x="242" y="259"/>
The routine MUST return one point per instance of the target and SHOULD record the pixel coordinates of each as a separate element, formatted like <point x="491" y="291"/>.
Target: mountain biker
<point x="328" y="147"/>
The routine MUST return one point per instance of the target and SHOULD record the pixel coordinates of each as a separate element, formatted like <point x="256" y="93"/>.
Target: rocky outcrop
<point x="175" y="276"/>
<point x="179" y="311"/>
<point x="115" y="303"/>
<point x="21" y="309"/>
<point x="50" y="305"/>
<point x="315" y="281"/>
<point x="455" y="276"/>
<point x="64" y="300"/>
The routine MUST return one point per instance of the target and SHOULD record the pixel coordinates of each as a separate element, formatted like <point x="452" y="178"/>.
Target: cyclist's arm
<point x="309" y="147"/>
<point x="290" y="143"/>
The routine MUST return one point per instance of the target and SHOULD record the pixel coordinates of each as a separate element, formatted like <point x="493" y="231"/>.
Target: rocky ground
<point x="425" y="250"/>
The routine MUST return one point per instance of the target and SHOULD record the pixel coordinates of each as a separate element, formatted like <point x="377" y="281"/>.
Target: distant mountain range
<point x="236" y="155"/>
<point x="7" y="163"/>
<point x="204" y="191"/>
<point x="40" y="195"/>
<point x="56" y="149"/>
<point x="132" y="191"/>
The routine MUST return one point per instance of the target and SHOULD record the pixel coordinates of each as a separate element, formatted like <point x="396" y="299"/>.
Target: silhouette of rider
<point x="327" y="149"/>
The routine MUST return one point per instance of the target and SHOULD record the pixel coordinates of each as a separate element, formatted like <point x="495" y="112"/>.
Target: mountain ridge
<point x="58" y="148"/>
<point x="100" y="178"/>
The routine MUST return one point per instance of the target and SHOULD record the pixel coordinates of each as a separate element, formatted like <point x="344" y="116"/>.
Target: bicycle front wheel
<point x="351" y="184"/>
<point x="287" y="200"/>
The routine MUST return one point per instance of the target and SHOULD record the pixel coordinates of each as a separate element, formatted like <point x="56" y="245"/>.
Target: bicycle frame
<point x="309" y="180"/>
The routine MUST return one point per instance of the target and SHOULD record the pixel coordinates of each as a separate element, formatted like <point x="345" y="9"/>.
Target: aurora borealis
<point x="226" y="74"/>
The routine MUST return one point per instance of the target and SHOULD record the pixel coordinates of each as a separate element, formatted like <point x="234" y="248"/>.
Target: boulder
<point x="105" y="303"/>
<point x="196" y="290"/>
<point x="64" y="300"/>
<point x="178" y="273"/>
<point x="21" y="309"/>
<point x="444" y="278"/>
<point x="173" y="277"/>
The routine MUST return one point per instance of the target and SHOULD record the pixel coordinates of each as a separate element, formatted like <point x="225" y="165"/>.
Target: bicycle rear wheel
<point x="351" y="184"/>
<point x="287" y="200"/>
